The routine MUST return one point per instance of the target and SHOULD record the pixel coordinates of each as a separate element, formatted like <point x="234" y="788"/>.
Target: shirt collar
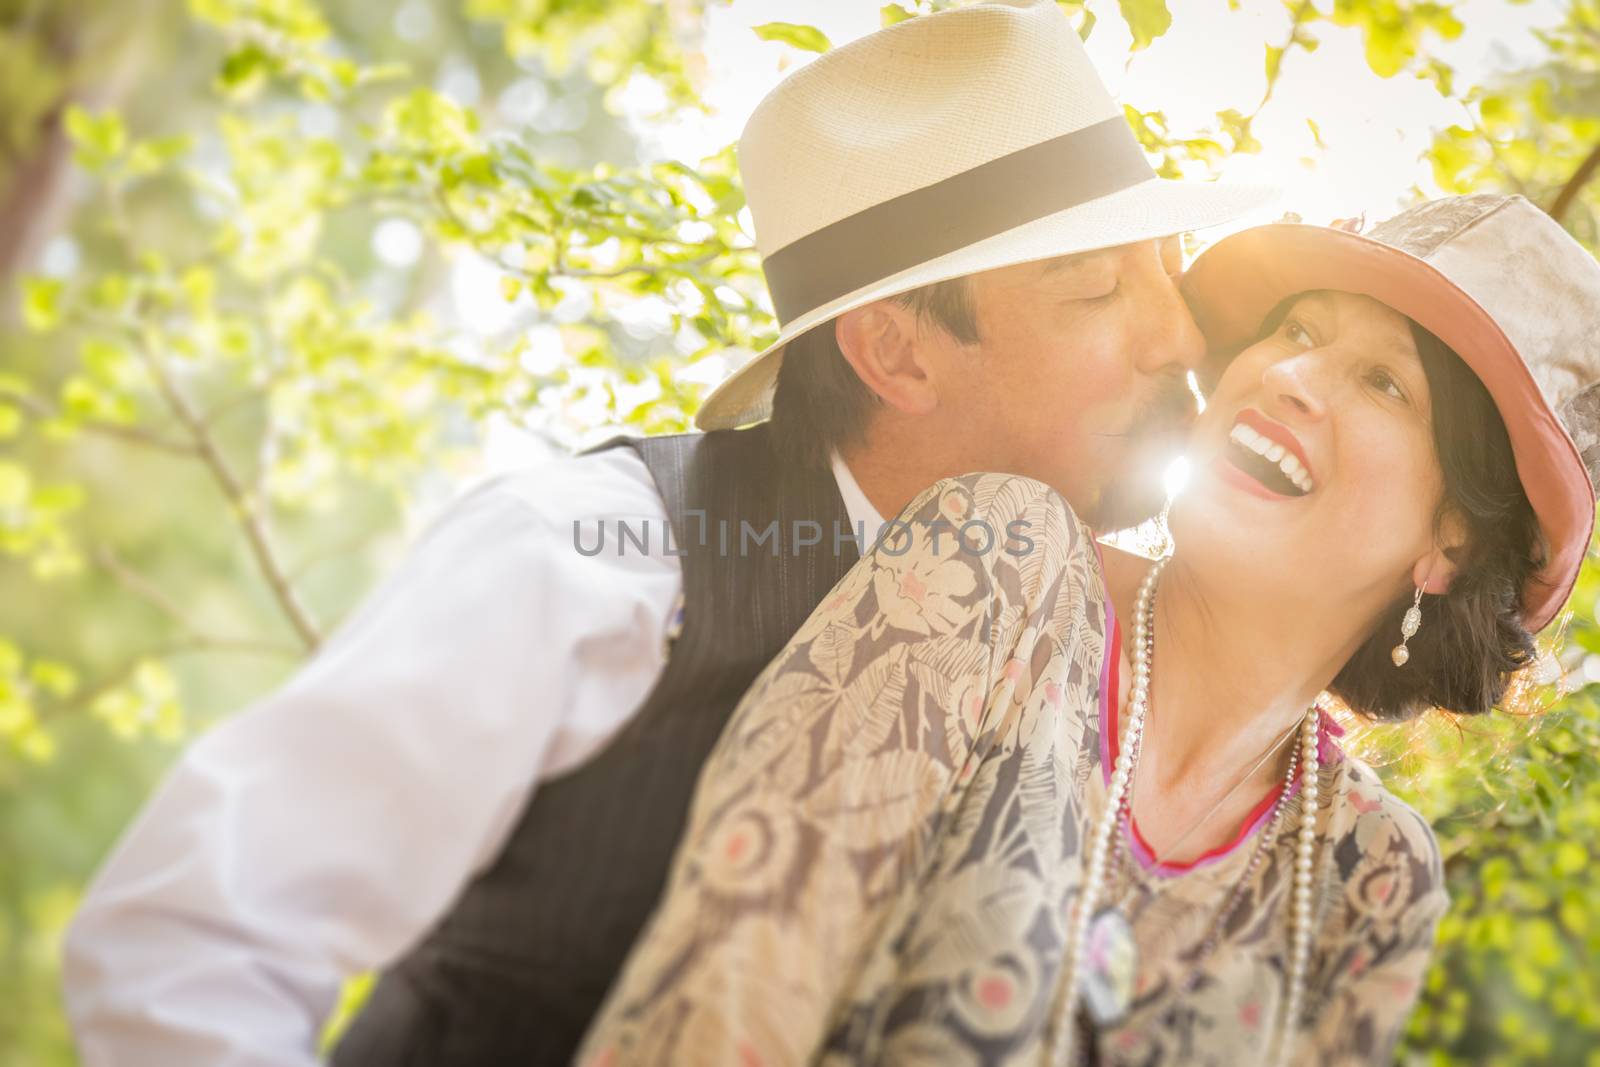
<point x="862" y="514"/>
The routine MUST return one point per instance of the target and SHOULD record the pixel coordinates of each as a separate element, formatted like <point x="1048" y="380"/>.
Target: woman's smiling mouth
<point x="1269" y="456"/>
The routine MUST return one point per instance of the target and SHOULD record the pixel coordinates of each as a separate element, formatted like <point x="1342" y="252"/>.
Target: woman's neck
<point x="1231" y="675"/>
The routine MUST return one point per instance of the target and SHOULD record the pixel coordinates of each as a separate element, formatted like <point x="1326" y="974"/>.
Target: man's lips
<point x="1278" y="433"/>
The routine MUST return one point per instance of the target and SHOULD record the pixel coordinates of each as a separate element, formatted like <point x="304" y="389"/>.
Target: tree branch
<point x="147" y="589"/>
<point x="138" y="583"/>
<point x="1569" y="192"/>
<point x="244" y="506"/>
<point x="39" y="408"/>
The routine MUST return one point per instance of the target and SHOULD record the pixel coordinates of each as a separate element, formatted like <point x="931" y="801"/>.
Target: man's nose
<point x="1173" y="342"/>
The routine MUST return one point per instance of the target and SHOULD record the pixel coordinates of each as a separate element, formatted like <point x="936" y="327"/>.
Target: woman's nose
<point x="1294" y="383"/>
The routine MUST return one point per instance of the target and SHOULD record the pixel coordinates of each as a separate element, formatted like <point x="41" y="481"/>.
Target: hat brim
<point x="1234" y="284"/>
<point x="1142" y="212"/>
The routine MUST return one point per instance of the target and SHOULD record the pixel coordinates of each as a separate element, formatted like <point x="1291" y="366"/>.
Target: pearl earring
<point x="1409" y="625"/>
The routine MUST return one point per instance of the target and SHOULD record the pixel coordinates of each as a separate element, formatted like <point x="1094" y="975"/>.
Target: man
<point x="477" y="785"/>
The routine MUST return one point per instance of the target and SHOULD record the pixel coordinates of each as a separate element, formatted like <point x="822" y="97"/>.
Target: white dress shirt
<point x="324" y="829"/>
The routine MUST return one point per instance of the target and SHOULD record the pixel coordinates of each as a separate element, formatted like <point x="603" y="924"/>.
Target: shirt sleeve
<point x="323" y="829"/>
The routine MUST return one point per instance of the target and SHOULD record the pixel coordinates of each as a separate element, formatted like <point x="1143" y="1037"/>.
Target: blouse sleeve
<point x="834" y="777"/>
<point x="1393" y="897"/>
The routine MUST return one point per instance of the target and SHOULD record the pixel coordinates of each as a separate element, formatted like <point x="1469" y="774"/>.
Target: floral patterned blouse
<point x="885" y="846"/>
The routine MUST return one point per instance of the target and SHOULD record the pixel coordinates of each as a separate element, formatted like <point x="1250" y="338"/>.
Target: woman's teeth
<point x="1287" y="462"/>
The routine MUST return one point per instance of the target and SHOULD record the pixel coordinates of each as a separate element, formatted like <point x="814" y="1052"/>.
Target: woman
<point x="960" y="819"/>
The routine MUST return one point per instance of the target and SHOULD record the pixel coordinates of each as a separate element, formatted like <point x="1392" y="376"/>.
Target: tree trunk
<point x="37" y="202"/>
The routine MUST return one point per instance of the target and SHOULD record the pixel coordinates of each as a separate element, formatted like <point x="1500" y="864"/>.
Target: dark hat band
<point x="953" y="213"/>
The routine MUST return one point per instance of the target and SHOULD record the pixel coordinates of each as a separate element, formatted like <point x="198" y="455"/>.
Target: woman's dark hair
<point x="1472" y="638"/>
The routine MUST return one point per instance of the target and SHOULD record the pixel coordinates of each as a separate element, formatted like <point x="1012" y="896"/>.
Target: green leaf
<point x="148" y="157"/>
<point x="60" y="498"/>
<point x="199" y="286"/>
<point x="382" y="72"/>
<point x="1441" y="74"/>
<point x="805" y="38"/>
<point x="1146" y="19"/>
<point x="81" y="398"/>
<point x="315" y="89"/>
<point x="55" y="678"/>
<point x="41" y="303"/>
<point x="1495" y="109"/>
<point x="245" y="71"/>
<point x="36" y="745"/>
<point x="425" y="121"/>
<point x="109" y="292"/>
<point x="108" y="362"/>
<point x="14" y="484"/>
<point x="1274" y="61"/>
<point x="1316" y="133"/>
<point x="890" y="14"/>
<point x="1388" y="51"/>
<point x="1574" y="912"/>
<point x="98" y="139"/>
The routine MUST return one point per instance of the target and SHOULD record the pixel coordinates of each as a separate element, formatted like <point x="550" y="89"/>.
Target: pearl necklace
<point x="1235" y="895"/>
<point x="1300" y="919"/>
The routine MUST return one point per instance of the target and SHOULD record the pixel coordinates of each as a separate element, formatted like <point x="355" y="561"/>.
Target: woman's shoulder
<point x="1382" y="851"/>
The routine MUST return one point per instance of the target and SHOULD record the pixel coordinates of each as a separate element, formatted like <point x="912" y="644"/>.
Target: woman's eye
<point x="1385" y="382"/>
<point x="1295" y="332"/>
<point x="1107" y="297"/>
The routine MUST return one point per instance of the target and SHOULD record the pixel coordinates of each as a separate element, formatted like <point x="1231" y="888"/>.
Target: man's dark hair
<point x="820" y="404"/>
<point x="1472" y="638"/>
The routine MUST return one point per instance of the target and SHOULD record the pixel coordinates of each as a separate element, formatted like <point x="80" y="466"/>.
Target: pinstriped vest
<point x="516" y="969"/>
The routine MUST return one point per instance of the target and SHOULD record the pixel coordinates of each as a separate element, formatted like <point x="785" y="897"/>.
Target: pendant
<point x="1110" y="960"/>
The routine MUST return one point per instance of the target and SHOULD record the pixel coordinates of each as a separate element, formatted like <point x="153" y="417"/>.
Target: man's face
<point x="1078" y="379"/>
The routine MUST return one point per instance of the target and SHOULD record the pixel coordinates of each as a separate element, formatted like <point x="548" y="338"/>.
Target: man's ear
<point x="880" y="342"/>
<point x="1440" y="565"/>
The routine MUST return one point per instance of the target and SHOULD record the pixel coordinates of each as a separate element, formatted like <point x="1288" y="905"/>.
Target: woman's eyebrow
<point x="1317" y="298"/>
<point x="1403" y="349"/>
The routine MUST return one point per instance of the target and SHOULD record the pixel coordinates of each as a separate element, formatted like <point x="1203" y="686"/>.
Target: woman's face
<point x="1314" y="474"/>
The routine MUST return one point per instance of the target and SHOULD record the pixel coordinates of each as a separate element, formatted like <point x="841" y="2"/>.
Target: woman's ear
<point x="1436" y="571"/>
<point x="880" y="342"/>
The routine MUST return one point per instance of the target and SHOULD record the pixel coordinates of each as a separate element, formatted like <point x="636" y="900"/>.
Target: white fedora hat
<point x="945" y="145"/>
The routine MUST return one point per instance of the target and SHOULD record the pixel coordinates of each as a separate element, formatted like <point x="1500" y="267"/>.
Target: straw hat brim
<point x="1151" y="209"/>
<point x="1235" y="283"/>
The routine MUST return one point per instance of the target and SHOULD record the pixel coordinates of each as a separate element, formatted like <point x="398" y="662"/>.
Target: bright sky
<point x="1211" y="59"/>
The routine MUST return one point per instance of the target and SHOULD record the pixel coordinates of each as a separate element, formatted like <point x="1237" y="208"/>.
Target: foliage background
<point x="248" y="253"/>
